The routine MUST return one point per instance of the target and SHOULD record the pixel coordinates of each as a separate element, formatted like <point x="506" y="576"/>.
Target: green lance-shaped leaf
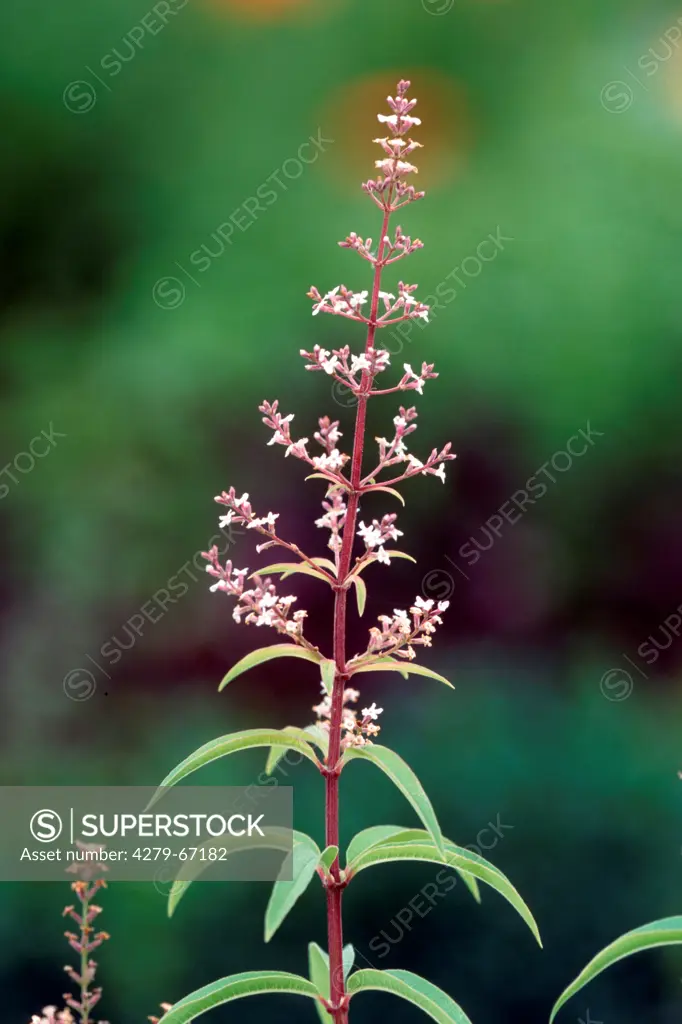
<point x="328" y="671"/>
<point x="311" y="734"/>
<point x="394" y="835"/>
<point x="302" y="865"/>
<point x="318" y="967"/>
<point x="666" y="932"/>
<point x="373" y="558"/>
<point x="326" y="563"/>
<point x="400" y="773"/>
<point x="230" y="744"/>
<point x="406" y="668"/>
<point x="406" y="985"/>
<point x="288" y="569"/>
<point x="388" y="490"/>
<point x="264" y="654"/>
<point x="329" y="855"/>
<point x="455" y="857"/>
<point x="251" y="983"/>
<point x="276" y="838"/>
<point x="360" y="594"/>
<point x="370" y="837"/>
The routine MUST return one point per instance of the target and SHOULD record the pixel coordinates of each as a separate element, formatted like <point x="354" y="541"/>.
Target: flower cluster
<point x="86" y="887"/>
<point x="400" y="632"/>
<point x="405" y="307"/>
<point x="273" y="419"/>
<point x="334" y="517"/>
<point x="331" y="462"/>
<point x="344" y="366"/>
<point x="415" y="381"/>
<point x="51" y="1015"/>
<point x="342" y="302"/>
<point x="394" y="452"/>
<point x="240" y="511"/>
<point x="339" y="300"/>
<point x="389" y="191"/>
<point x="357" y="730"/>
<point x="394" y="249"/>
<point x="259" y="606"/>
<point x="376" y="535"/>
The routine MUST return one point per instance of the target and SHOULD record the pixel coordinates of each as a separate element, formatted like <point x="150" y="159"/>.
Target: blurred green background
<point x="132" y="134"/>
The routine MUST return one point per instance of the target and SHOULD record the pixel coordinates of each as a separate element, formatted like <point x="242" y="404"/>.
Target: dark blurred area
<point x="148" y="305"/>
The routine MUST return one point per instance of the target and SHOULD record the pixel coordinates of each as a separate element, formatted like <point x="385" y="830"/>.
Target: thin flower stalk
<point x="261" y="604"/>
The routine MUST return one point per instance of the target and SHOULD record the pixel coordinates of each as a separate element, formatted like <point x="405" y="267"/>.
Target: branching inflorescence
<point x="341" y="733"/>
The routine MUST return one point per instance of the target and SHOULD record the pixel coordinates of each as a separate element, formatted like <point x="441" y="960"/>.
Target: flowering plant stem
<point x="341" y="734"/>
<point x="335" y="888"/>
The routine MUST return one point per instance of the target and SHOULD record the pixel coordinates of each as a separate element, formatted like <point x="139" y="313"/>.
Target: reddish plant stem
<point x="335" y="887"/>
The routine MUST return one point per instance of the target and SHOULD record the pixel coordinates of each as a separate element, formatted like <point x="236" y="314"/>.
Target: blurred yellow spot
<point x="271" y="10"/>
<point x="350" y="113"/>
<point x="664" y="57"/>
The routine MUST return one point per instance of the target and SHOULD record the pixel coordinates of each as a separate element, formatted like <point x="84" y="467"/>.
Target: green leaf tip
<point x="264" y="654"/>
<point x="421" y="993"/>
<point x="666" y="932"/>
<point x="237" y="986"/>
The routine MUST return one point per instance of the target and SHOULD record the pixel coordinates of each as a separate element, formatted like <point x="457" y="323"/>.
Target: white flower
<point x="414" y="463"/>
<point x="382" y="556"/>
<point x="372" y="711"/>
<point x="391" y="119"/>
<point x="298" y="448"/>
<point x="386" y="295"/>
<point x="423" y="604"/>
<point x="370" y="534"/>
<point x="440" y="472"/>
<point x="320" y="304"/>
<point x="226" y="519"/>
<point x="359" y="363"/>
<point x="268" y="520"/>
<point x="334" y="460"/>
<point x="220" y="585"/>
<point x="401" y="620"/>
<point x="358" y="299"/>
<point x="329" y="365"/>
